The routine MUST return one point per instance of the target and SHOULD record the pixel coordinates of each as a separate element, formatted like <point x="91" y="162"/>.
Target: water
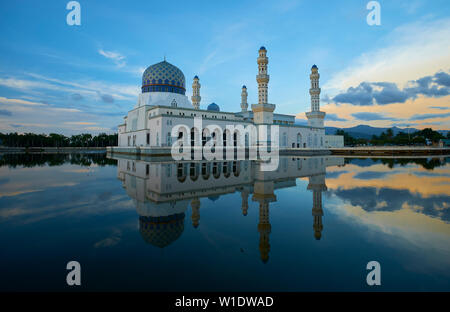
<point x="314" y="224"/>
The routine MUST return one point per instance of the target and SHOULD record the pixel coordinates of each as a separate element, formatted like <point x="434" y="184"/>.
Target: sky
<point x="75" y="79"/>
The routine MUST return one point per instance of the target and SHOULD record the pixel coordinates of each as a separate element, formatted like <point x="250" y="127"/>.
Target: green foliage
<point x="58" y="140"/>
<point x="388" y="138"/>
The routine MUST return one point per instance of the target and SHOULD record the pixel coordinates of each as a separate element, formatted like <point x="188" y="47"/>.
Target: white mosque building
<point x="163" y="104"/>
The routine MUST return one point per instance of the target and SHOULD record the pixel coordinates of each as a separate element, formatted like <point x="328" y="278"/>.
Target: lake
<point x="158" y="225"/>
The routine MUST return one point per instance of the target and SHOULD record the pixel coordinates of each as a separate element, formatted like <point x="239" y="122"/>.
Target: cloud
<point x="443" y="79"/>
<point x="432" y="86"/>
<point x="367" y="116"/>
<point x="429" y="116"/>
<point x="76" y="96"/>
<point x="116" y="57"/>
<point x="107" y="98"/>
<point x="335" y="117"/>
<point x="382" y="93"/>
<point x="361" y="95"/>
<point x="440" y="107"/>
<point x="412" y="50"/>
<point x="5" y="112"/>
<point x="9" y="101"/>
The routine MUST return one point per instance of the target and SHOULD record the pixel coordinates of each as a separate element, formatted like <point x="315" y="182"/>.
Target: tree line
<point x="57" y="140"/>
<point x="421" y="137"/>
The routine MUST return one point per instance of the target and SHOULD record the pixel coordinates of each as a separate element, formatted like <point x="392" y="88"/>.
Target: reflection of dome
<point x="161" y="231"/>
<point x="163" y="77"/>
<point x="213" y="107"/>
<point x="213" y="198"/>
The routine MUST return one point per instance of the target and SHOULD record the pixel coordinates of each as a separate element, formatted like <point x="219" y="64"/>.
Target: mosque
<point x="163" y="104"/>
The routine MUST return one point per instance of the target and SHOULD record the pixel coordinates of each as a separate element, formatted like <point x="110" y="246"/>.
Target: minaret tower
<point x="262" y="78"/>
<point x="315" y="116"/>
<point x="244" y="94"/>
<point x="317" y="185"/>
<point x="263" y="111"/>
<point x="196" y="93"/>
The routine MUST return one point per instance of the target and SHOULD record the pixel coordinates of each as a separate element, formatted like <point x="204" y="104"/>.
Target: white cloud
<point x="116" y="57"/>
<point x="411" y="51"/>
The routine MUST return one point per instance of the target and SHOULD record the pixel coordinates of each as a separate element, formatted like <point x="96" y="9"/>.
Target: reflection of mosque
<point x="163" y="190"/>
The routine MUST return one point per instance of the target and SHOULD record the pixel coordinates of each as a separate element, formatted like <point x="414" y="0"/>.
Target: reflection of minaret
<point x="195" y="205"/>
<point x="317" y="185"/>
<point x="244" y="195"/>
<point x="263" y="193"/>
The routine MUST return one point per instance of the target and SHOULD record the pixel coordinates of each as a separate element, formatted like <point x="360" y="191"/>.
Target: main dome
<point x="163" y="77"/>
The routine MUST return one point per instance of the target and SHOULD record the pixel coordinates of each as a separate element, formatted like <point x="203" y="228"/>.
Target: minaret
<point x="262" y="78"/>
<point x="195" y="217"/>
<point x="244" y="95"/>
<point x="196" y="93"/>
<point x="315" y="116"/>
<point x="317" y="185"/>
<point x="263" y="111"/>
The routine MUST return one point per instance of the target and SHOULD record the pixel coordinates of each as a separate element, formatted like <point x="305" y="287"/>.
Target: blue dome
<point x="244" y="87"/>
<point x="163" y="77"/>
<point x="263" y="48"/>
<point x="213" y="107"/>
<point x="314" y="66"/>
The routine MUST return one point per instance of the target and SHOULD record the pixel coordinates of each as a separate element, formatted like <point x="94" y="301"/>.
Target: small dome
<point x="195" y="77"/>
<point x="244" y="87"/>
<point x="163" y="77"/>
<point x="213" y="107"/>
<point x="262" y="48"/>
<point x="314" y="66"/>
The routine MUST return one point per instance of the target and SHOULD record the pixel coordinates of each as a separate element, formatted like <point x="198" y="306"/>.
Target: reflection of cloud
<point x="109" y="241"/>
<point x="424" y="237"/>
<point x="398" y="179"/>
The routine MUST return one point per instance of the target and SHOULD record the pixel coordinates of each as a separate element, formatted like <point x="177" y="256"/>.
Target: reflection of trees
<point x="34" y="159"/>
<point x="426" y="163"/>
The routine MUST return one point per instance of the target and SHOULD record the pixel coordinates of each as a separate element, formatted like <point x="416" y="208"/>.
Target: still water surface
<point x="157" y="225"/>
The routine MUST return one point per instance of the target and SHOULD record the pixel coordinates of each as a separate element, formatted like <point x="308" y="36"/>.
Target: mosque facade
<point x="163" y="104"/>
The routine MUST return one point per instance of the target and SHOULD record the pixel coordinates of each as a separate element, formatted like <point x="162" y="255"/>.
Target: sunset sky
<point x="71" y="79"/>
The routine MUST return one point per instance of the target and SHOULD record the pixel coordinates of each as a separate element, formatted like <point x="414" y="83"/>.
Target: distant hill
<point x="365" y="131"/>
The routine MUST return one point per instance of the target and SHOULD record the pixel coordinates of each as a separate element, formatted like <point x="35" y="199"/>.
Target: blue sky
<point x="71" y="79"/>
